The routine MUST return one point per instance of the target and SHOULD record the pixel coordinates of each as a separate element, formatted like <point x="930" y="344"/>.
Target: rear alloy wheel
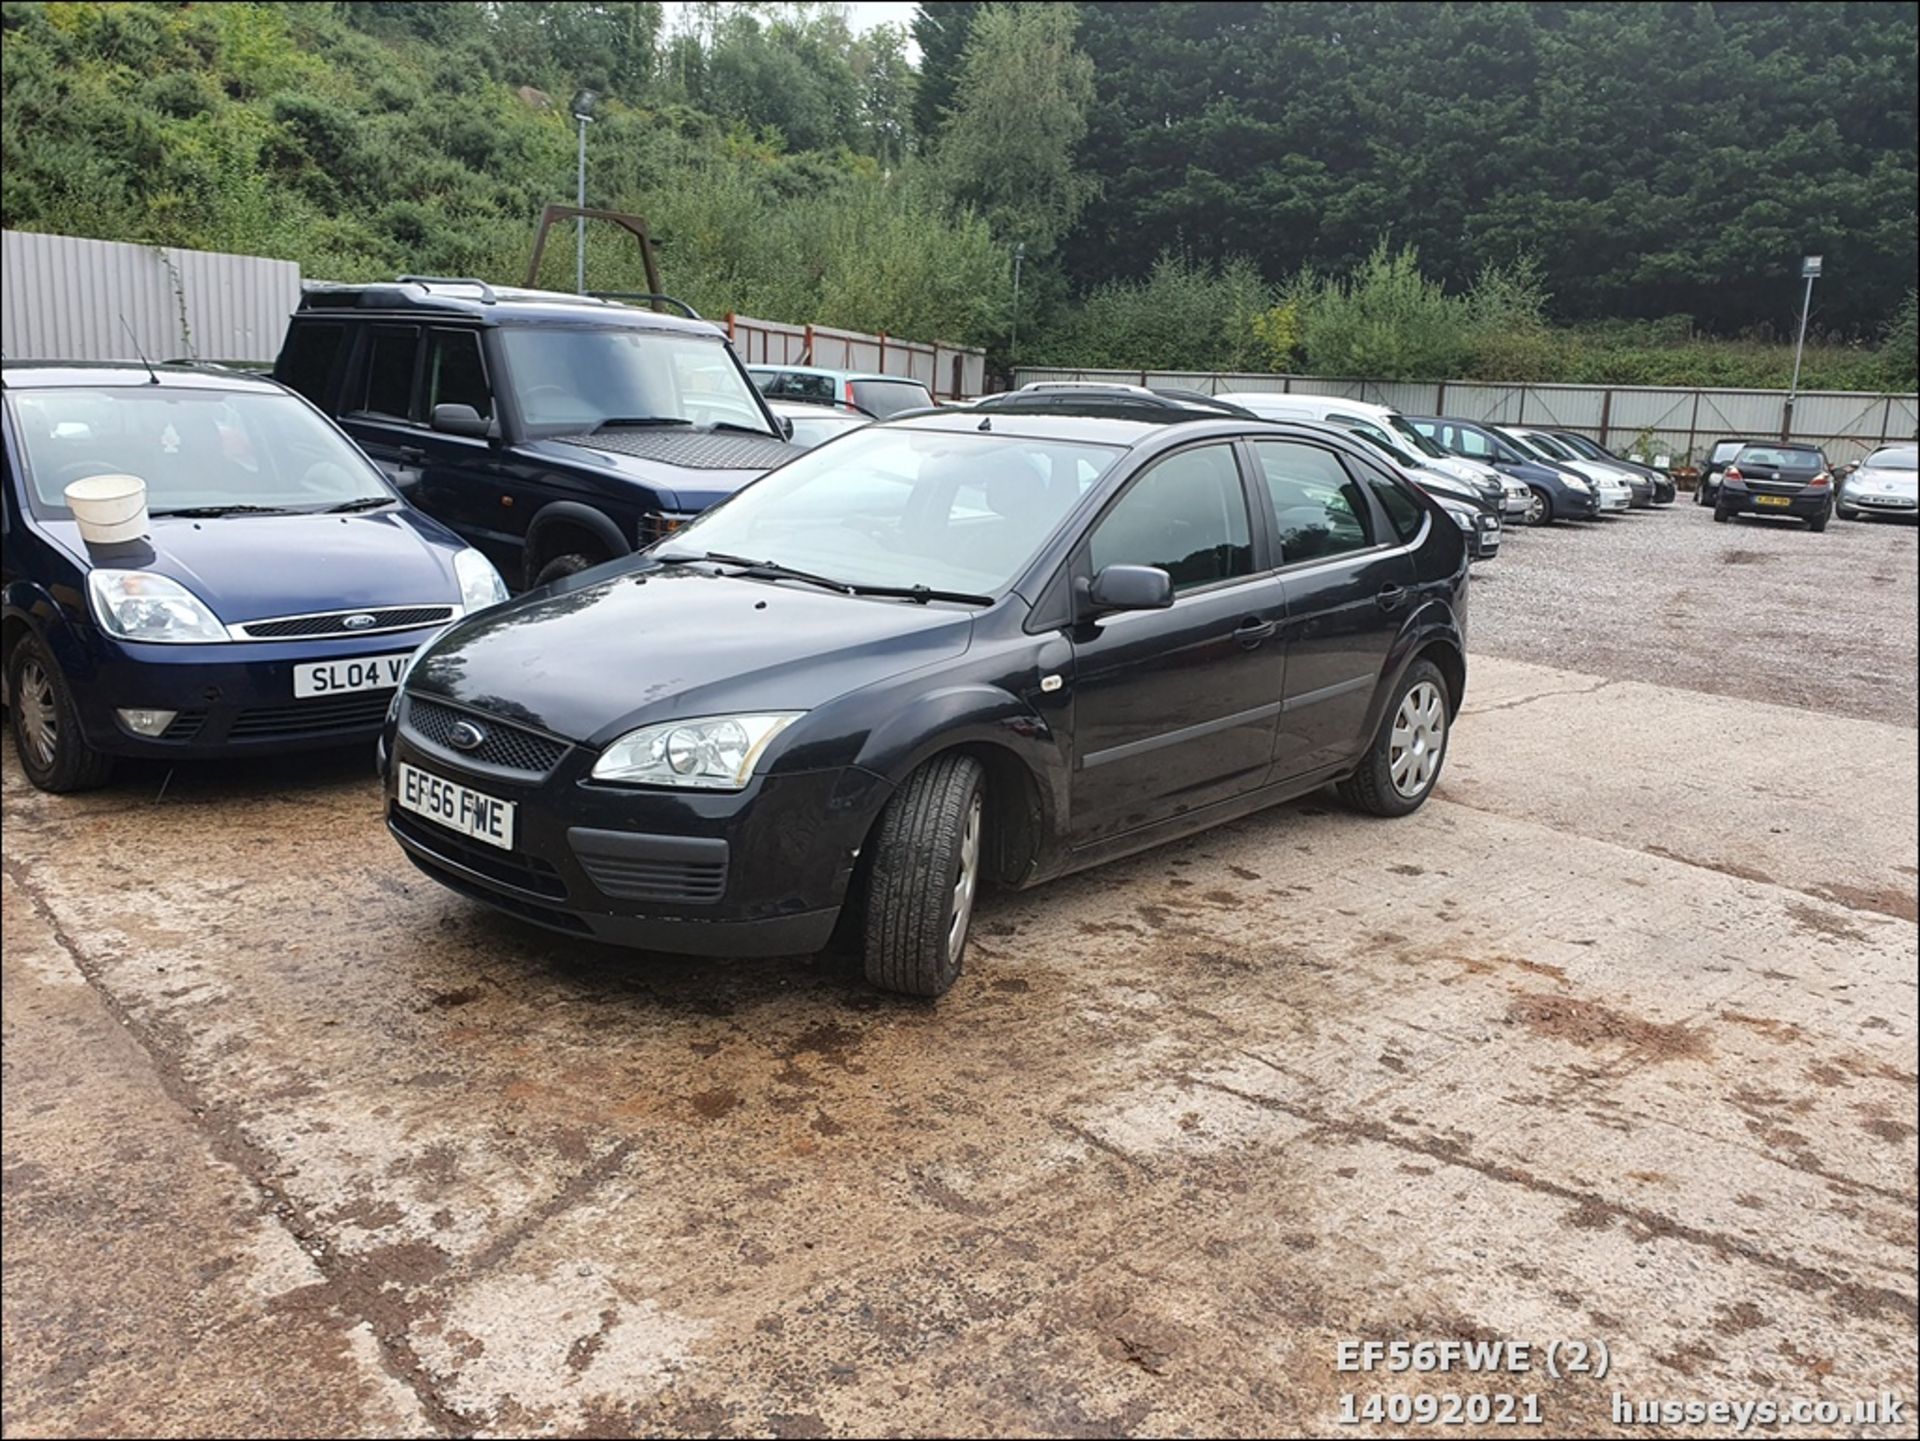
<point x="927" y="861"/>
<point x="1539" y="508"/>
<point x="46" y="725"/>
<point x="1401" y="766"/>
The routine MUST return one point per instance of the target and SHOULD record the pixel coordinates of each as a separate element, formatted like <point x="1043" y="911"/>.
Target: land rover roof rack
<point x="427" y="282"/>
<point x="646" y="298"/>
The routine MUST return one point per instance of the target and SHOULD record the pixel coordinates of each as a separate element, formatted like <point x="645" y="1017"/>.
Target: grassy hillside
<point x="281" y="130"/>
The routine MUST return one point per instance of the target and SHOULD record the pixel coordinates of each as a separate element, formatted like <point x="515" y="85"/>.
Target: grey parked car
<point x="1885" y="483"/>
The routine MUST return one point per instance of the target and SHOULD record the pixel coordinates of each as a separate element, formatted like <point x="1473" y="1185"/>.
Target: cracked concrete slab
<point x="1538" y="1062"/>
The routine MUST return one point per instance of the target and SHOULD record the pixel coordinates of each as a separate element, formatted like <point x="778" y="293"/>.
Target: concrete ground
<point x="1612" y="1041"/>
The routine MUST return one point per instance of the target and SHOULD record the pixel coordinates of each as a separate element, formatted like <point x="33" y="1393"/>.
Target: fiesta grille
<point x="289" y="627"/>
<point x="359" y="712"/>
<point x="507" y="746"/>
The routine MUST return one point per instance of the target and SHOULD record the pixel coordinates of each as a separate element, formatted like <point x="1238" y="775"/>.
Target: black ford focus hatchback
<point x="956" y="648"/>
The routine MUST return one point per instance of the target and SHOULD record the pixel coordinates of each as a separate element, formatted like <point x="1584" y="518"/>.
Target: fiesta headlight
<point x="480" y="583"/>
<point x="704" y="753"/>
<point x="139" y="605"/>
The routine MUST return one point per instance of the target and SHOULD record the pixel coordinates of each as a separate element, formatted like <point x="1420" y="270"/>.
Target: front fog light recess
<point x="146" y="722"/>
<point x="704" y="752"/>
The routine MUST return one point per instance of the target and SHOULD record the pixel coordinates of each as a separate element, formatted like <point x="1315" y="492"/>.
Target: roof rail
<point x="427" y="282"/>
<point x="646" y="298"/>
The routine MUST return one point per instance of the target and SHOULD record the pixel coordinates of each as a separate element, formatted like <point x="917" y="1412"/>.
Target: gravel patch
<point x="1762" y="609"/>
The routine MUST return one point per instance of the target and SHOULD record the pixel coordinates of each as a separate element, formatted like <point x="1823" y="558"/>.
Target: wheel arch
<point x="557" y="520"/>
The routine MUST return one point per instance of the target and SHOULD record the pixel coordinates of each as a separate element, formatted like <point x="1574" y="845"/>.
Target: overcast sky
<point x="862" y="15"/>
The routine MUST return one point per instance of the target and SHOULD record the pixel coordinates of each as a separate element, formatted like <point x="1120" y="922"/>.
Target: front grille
<point x="508" y="868"/>
<point x="185" y="726"/>
<point x="507" y="746"/>
<point x="392" y="618"/>
<point x="625" y="878"/>
<point x="362" y="711"/>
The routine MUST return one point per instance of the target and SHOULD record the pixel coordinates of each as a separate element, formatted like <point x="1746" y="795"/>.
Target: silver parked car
<point x="1885" y="483"/>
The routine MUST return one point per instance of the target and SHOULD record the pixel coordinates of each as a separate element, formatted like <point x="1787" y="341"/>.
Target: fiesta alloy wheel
<point x="46" y="724"/>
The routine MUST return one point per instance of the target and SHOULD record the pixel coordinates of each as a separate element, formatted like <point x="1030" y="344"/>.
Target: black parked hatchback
<point x="946" y="649"/>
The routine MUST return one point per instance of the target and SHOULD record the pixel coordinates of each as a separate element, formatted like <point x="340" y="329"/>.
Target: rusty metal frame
<point x="635" y="225"/>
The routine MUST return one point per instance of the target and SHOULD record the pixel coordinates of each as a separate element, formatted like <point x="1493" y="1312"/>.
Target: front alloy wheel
<point x="46" y="725"/>
<point x="927" y="858"/>
<point x="1539" y="508"/>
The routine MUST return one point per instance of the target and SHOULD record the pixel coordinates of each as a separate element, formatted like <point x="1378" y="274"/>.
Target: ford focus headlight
<point x="705" y="753"/>
<point x="138" y="605"/>
<point x="480" y="583"/>
<point x="1461" y="519"/>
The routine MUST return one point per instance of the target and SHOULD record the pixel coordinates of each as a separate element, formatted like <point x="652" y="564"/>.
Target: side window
<point x="455" y="375"/>
<point x="307" y="361"/>
<point x="1187" y="515"/>
<point x="1403" y="511"/>
<point x="1318" y="506"/>
<point x="1471" y="442"/>
<point x="387" y="377"/>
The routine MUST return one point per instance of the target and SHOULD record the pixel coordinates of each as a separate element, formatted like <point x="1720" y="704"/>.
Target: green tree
<point x="940" y="28"/>
<point x="1019" y="114"/>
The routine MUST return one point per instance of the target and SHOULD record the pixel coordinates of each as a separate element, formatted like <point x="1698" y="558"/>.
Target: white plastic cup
<point x="109" y="509"/>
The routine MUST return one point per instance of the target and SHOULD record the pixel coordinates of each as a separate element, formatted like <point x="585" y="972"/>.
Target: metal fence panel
<point x="73" y="299"/>
<point x="1673" y="421"/>
<point x="949" y="372"/>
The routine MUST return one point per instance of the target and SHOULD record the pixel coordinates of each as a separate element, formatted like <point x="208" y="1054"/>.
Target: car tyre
<point x="1540" y="508"/>
<point x="1819" y="522"/>
<point x="1402" y="766"/>
<point x="46" y="725"/>
<point x="1847" y="514"/>
<point x="928" y="858"/>
<point x="1722" y="513"/>
<point x="562" y="566"/>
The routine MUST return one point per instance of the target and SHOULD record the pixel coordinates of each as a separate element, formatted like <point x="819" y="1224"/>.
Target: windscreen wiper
<point x="760" y="569"/>
<point x="200" y="511"/>
<point x="921" y="594"/>
<point x="359" y="502"/>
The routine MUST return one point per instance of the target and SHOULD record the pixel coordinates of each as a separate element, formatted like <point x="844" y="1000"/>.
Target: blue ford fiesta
<point x="278" y="590"/>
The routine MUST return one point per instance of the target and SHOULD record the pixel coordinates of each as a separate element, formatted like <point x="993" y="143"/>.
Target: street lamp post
<point x="1013" y="337"/>
<point x="1810" y="268"/>
<point x="583" y="103"/>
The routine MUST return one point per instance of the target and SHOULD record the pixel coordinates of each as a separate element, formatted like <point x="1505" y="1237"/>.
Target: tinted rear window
<point x="1780" y="456"/>
<point x="888" y="397"/>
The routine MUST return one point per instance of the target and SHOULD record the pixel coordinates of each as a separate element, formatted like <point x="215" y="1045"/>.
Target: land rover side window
<point x="307" y="364"/>
<point x="1187" y="515"/>
<point x="388" y="373"/>
<point x="455" y="375"/>
<point x="1318" y="506"/>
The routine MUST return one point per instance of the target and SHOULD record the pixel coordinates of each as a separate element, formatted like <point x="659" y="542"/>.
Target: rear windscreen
<point x="1780" y="457"/>
<point x="888" y="397"/>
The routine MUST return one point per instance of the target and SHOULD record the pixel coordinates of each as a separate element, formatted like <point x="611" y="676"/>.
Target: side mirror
<point x="1126" y="587"/>
<point x="786" y="426"/>
<point x="460" y="420"/>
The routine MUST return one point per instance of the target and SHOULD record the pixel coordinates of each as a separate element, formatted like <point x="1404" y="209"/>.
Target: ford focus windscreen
<point x="904" y="508"/>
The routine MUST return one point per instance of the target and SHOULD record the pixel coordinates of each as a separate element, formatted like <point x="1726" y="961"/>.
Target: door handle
<point x="1251" y="631"/>
<point x="412" y="454"/>
<point x="1390" y="597"/>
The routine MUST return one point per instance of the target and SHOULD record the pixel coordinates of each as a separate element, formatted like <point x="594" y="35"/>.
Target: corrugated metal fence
<point x="951" y="372"/>
<point x="1679" y="423"/>
<point x="63" y="298"/>
<point x="70" y="299"/>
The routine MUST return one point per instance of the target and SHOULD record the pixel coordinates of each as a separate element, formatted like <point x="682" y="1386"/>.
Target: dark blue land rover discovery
<point x="550" y="431"/>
